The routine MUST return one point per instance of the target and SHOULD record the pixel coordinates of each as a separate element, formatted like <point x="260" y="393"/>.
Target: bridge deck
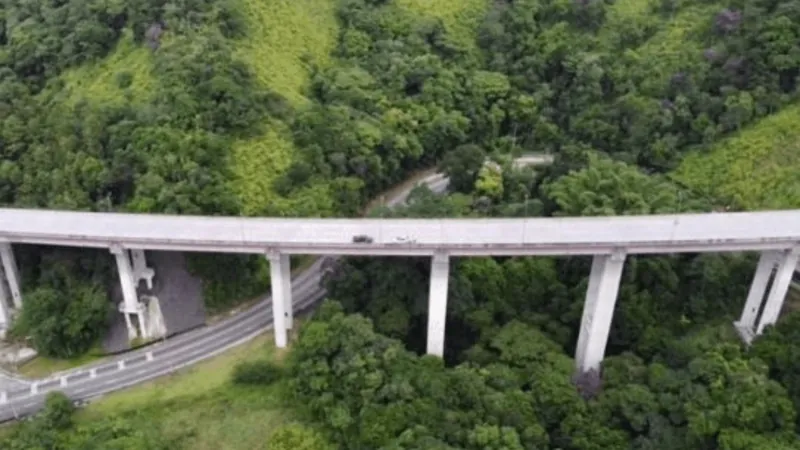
<point x="570" y="235"/>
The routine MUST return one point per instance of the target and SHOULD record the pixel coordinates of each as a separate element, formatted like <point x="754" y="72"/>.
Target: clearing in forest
<point x="284" y="38"/>
<point x="128" y="68"/>
<point x="756" y="169"/>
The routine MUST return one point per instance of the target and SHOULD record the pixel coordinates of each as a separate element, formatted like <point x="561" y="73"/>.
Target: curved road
<point x="159" y="359"/>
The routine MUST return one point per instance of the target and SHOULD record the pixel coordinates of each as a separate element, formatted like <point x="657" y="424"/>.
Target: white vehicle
<point x="405" y="240"/>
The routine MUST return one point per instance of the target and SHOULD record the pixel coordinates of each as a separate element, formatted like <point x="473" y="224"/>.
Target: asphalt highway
<point x="92" y="381"/>
<point x="163" y="358"/>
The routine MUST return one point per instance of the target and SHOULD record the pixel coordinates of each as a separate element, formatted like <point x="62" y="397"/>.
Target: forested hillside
<point x="313" y="107"/>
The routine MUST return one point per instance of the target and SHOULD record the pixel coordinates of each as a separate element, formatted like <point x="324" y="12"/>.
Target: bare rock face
<point x="179" y="307"/>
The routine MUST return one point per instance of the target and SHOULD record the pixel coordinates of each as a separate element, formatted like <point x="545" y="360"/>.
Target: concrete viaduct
<point x="609" y="240"/>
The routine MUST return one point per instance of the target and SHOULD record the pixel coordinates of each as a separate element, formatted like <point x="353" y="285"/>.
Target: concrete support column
<point x="5" y="313"/>
<point x="129" y="324"/>
<point x="276" y="263"/>
<point x="787" y="263"/>
<point x="782" y="264"/>
<point x="286" y="278"/>
<point x="755" y="297"/>
<point x="11" y="273"/>
<point x="129" y="295"/>
<point x="598" y="310"/>
<point x="437" y="303"/>
<point x="140" y="269"/>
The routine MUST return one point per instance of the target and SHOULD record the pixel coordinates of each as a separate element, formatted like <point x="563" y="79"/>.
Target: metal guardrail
<point x="238" y="329"/>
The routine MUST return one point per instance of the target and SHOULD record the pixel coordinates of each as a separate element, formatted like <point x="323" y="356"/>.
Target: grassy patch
<point x="202" y="406"/>
<point x="461" y="18"/>
<point x="42" y="366"/>
<point x="757" y="169"/>
<point x="100" y="81"/>
<point x="202" y="409"/>
<point x="256" y="163"/>
<point x="225" y="419"/>
<point x="284" y="38"/>
<point x="194" y="381"/>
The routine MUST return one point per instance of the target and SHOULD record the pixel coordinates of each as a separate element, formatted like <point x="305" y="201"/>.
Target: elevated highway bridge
<point x="608" y="240"/>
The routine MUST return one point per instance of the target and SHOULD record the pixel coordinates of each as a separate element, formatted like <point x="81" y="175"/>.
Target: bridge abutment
<point x="437" y="303"/>
<point x="132" y="268"/>
<point x="779" y="266"/>
<point x="598" y="310"/>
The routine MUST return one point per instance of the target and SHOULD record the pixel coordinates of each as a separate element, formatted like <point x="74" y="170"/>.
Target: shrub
<point x="58" y="411"/>
<point x="296" y="437"/>
<point x="257" y="373"/>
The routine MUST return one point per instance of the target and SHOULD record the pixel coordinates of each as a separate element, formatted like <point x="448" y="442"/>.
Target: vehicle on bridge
<point x="404" y="240"/>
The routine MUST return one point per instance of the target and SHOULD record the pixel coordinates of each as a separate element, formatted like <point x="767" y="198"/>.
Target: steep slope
<point x="759" y="168"/>
<point x="674" y="46"/>
<point x="284" y="38"/>
<point x="128" y="67"/>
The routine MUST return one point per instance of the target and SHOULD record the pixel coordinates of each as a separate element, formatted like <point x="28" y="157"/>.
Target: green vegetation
<point x="43" y="366"/>
<point x="673" y="360"/>
<point x="517" y="392"/>
<point x="674" y="47"/>
<point x="624" y="10"/>
<point x="285" y="39"/>
<point x="313" y="108"/>
<point x="64" y="328"/>
<point x="101" y="81"/>
<point x="461" y="18"/>
<point x="202" y="407"/>
<point x="758" y="168"/>
<point x="198" y="408"/>
<point x="193" y="382"/>
<point x="284" y="42"/>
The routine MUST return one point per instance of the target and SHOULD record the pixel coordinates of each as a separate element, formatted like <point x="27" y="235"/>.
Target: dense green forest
<point x="649" y="106"/>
